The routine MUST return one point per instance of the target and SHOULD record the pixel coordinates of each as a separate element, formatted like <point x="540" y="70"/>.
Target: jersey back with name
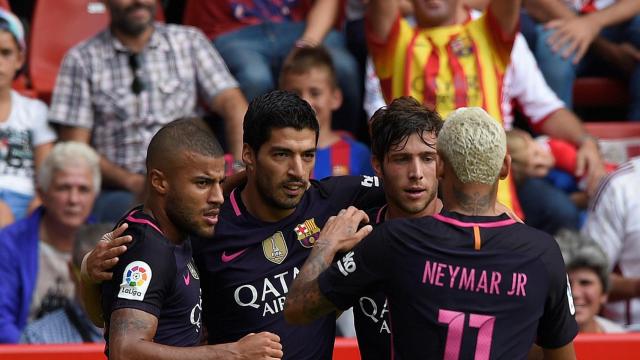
<point x="460" y="287"/>
<point x="249" y="264"/>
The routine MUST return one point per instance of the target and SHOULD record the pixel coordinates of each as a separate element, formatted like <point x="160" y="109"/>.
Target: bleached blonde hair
<point x="474" y="144"/>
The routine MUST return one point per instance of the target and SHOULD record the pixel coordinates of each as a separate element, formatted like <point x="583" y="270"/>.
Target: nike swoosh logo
<point x="187" y="279"/>
<point x="227" y="258"/>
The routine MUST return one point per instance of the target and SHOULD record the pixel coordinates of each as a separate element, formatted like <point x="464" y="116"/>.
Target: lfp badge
<point x="307" y="232"/>
<point x="135" y="281"/>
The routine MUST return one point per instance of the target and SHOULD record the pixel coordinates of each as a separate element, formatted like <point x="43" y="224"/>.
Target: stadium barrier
<point x="588" y="347"/>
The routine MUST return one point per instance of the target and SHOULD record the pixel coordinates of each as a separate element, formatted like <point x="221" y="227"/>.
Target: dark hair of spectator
<point x="189" y="134"/>
<point x="276" y="110"/>
<point x="305" y="59"/>
<point x="392" y="125"/>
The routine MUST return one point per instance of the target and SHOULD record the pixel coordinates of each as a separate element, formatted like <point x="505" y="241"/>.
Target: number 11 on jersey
<point x="456" y="320"/>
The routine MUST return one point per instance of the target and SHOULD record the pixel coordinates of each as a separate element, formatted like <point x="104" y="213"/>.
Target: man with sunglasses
<point x="119" y="87"/>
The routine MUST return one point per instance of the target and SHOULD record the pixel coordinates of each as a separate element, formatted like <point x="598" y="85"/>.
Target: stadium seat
<point x="57" y="26"/>
<point x="589" y="92"/>
<point x="619" y="141"/>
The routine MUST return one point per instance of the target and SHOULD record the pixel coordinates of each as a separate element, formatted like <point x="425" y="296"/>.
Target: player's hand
<point x="105" y="255"/>
<point x="264" y="345"/>
<point x="573" y="36"/>
<point x="341" y="231"/>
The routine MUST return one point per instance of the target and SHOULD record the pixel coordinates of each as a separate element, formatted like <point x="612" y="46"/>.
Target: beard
<point x="184" y="218"/>
<point x="120" y="20"/>
<point x="270" y="194"/>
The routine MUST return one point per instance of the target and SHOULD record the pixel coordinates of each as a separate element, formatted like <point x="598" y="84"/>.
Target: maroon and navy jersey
<point x="460" y="286"/>
<point x="248" y="266"/>
<point x="157" y="277"/>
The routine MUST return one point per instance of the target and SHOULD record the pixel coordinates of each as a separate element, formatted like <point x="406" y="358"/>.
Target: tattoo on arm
<point x="127" y="325"/>
<point x="305" y="296"/>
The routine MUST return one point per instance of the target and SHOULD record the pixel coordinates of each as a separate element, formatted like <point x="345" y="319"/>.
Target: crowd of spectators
<point x="80" y="159"/>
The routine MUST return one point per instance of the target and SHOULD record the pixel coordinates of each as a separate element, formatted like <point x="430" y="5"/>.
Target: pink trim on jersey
<point x="379" y="216"/>
<point x="234" y="203"/>
<point x="130" y="218"/>
<point x="466" y="224"/>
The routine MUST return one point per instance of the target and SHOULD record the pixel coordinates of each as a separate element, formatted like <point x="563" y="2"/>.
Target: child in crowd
<point x="310" y="74"/>
<point x="25" y="136"/>
<point x="552" y="158"/>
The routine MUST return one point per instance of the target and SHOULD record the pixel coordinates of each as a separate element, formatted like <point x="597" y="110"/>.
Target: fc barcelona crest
<point x="275" y="248"/>
<point x="307" y="232"/>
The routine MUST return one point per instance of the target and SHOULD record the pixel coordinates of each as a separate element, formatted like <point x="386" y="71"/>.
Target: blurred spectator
<point x="612" y="221"/>
<point x="25" y="135"/>
<point x="577" y="37"/>
<point x="70" y="324"/>
<point x="35" y="251"/>
<point x="588" y="272"/>
<point x="119" y="87"/>
<point x="255" y="36"/>
<point x="309" y="73"/>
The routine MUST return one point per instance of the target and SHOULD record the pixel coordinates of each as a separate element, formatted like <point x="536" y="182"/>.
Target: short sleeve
<point x="557" y="326"/>
<point x="71" y="102"/>
<point x="359" y="270"/>
<point x="144" y="276"/>
<point x="212" y="74"/>
<point x="42" y="131"/>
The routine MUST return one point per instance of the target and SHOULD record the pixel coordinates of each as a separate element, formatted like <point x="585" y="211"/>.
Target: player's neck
<point x="470" y="199"/>
<point x="135" y="43"/>
<point x="395" y="212"/>
<point x="169" y="229"/>
<point x="327" y="137"/>
<point x="259" y="207"/>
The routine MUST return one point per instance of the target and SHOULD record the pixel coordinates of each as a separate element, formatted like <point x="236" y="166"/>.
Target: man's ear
<point x="158" y="181"/>
<point x="336" y="98"/>
<point x="248" y="156"/>
<point x="506" y="167"/>
<point x="377" y="166"/>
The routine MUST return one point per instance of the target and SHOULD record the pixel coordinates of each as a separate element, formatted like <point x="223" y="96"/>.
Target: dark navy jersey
<point x="371" y="313"/>
<point x="157" y="277"/>
<point x="248" y="267"/>
<point x="460" y="287"/>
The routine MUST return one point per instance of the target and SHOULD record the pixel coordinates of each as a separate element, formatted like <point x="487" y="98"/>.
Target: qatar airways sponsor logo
<point x="376" y="312"/>
<point x="266" y="295"/>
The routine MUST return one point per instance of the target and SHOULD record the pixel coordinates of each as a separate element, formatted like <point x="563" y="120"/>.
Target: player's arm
<point x="381" y="14"/>
<point x="507" y="14"/>
<point x="95" y="269"/>
<point x="305" y="302"/>
<point x="546" y="10"/>
<point x="131" y="333"/>
<point x="563" y="353"/>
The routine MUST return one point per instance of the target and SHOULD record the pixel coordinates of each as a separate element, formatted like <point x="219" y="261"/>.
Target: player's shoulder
<point x="146" y="233"/>
<point x="339" y="185"/>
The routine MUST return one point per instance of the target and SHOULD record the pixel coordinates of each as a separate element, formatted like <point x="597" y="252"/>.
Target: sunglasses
<point x="138" y="85"/>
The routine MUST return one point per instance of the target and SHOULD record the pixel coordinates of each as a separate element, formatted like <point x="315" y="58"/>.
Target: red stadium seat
<point x="592" y="92"/>
<point x="57" y="26"/>
<point x="619" y="141"/>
